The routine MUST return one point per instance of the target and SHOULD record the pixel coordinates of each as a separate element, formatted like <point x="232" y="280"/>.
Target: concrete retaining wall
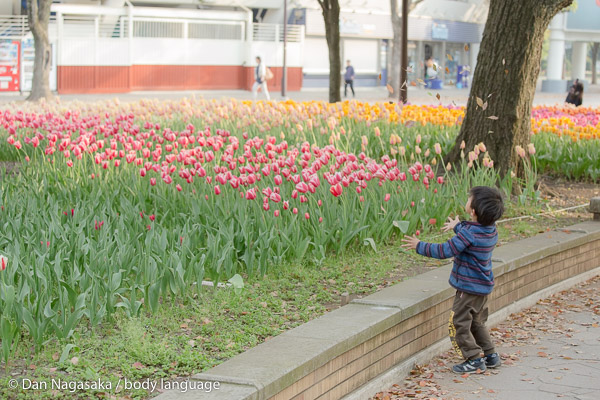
<point x="334" y="355"/>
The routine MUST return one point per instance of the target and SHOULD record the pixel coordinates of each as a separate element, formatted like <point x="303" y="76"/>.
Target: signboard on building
<point x="28" y="52"/>
<point x="439" y="31"/>
<point x="9" y="65"/>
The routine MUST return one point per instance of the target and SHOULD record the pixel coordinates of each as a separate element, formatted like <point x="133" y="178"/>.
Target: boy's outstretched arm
<point x="451" y="248"/>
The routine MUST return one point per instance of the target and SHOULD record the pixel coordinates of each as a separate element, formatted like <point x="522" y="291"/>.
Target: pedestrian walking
<point x="349" y="79"/>
<point x="471" y="276"/>
<point x="260" y="79"/>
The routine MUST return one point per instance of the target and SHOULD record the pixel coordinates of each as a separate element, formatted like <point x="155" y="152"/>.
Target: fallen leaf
<point x="542" y="354"/>
<point x="390" y="88"/>
<point x="503" y="61"/>
<point x="479" y="102"/>
<point x="75" y="360"/>
<point x="56" y="356"/>
<point x="379" y="76"/>
<point x="493" y="117"/>
<point x="449" y="57"/>
<point x="137" y="365"/>
<point x="464" y="376"/>
<point x="192" y="342"/>
<point x="466" y="47"/>
<point x="485" y="105"/>
<point x="447" y="70"/>
<point x="438" y="96"/>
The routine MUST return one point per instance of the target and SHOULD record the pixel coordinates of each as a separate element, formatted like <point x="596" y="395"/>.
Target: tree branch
<point x="32" y="15"/>
<point x="44" y="11"/>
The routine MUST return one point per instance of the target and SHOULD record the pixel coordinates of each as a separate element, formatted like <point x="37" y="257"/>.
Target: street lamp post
<point x="284" y="74"/>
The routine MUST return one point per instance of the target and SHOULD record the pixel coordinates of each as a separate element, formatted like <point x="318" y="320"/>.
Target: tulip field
<point x="120" y="208"/>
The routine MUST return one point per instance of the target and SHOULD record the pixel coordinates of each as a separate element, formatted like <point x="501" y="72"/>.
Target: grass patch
<point x="193" y="334"/>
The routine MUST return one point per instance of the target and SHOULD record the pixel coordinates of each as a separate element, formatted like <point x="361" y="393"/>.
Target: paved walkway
<point x="551" y="350"/>
<point x="370" y="94"/>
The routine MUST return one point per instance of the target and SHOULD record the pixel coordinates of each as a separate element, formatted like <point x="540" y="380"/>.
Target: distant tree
<point x="331" y="15"/>
<point x="498" y="111"/>
<point x="38" y="15"/>
<point x="394" y="73"/>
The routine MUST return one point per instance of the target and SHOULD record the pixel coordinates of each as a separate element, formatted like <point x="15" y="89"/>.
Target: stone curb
<point x="270" y="367"/>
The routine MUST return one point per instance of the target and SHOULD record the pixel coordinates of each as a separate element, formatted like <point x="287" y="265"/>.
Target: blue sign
<point x="439" y="31"/>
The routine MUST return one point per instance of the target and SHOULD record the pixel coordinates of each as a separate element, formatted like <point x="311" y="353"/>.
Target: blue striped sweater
<point x="472" y="251"/>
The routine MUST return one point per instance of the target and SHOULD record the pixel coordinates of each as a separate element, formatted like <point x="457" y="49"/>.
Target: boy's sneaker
<point x="492" y="360"/>
<point x="470" y="366"/>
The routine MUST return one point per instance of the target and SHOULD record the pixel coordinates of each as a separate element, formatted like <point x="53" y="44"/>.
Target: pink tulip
<point x="217" y="190"/>
<point x="153" y="181"/>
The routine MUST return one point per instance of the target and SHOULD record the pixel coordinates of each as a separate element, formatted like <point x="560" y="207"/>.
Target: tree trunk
<point x="594" y="59"/>
<point x="504" y="81"/>
<point x="331" y="16"/>
<point x="393" y="76"/>
<point x="38" y="17"/>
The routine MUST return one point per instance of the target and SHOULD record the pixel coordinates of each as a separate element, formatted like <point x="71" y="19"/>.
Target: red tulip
<point x="153" y="181"/>
<point x="217" y="190"/>
<point x="307" y="215"/>
<point x="295" y="210"/>
<point x="276" y="198"/>
<point x="432" y="221"/>
<point x="179" y="189"/>
<point x="152" y="217"/>
<point x="336" y="190"/>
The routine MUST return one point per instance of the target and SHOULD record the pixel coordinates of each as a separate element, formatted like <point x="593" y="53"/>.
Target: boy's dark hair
<point x="487" y="203"/>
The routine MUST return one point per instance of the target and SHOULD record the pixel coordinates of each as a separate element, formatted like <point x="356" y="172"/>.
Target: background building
<point x="575" y="29"/>
<point x="125" y="45"/>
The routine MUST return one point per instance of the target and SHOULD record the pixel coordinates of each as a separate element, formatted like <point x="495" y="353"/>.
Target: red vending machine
<point x="10" y="65"/>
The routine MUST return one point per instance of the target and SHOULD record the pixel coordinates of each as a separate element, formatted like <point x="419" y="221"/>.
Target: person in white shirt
<point x="260" y="79"/>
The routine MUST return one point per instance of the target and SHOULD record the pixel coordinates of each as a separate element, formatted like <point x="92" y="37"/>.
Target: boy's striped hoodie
<point x="472" y="251"/>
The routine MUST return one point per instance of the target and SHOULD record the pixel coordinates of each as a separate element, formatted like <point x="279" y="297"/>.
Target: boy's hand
<point x="450" y="224"/>
<point x="410" y="242"/>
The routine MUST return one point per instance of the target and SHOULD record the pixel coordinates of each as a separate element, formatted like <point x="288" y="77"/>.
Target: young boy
<point x="471" y="276"/>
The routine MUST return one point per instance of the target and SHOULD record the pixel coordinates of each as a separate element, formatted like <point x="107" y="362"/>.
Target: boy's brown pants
<point x="468" y="333"/>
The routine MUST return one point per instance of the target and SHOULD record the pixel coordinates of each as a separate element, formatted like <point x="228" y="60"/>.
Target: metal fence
<point x="274" y="33"/>
<point x="117" y="26"/>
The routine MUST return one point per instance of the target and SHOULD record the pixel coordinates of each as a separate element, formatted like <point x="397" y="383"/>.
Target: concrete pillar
<point x="473" y="52"/>
<point x="556" y="54"/>
<point x="420" y="72"/>
<point x="578" y="61"/>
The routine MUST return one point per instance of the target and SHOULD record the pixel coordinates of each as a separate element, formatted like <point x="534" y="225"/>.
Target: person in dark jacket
<point x="575" y="95"/>
<point x="471" y="276"/>
<point x="349" y="79"/>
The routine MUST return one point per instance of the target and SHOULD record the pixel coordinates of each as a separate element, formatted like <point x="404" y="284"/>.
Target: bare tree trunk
<point x="331" y="15"/>
<point x="508" y="64"/>
<point x="38" y="17"/>
<point x="594" y="59"/>
<point x="393" y="76"/>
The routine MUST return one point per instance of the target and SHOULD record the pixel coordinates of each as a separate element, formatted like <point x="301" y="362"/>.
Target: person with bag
<point x="261" y="75"/>
<point x="575" y="95"/>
